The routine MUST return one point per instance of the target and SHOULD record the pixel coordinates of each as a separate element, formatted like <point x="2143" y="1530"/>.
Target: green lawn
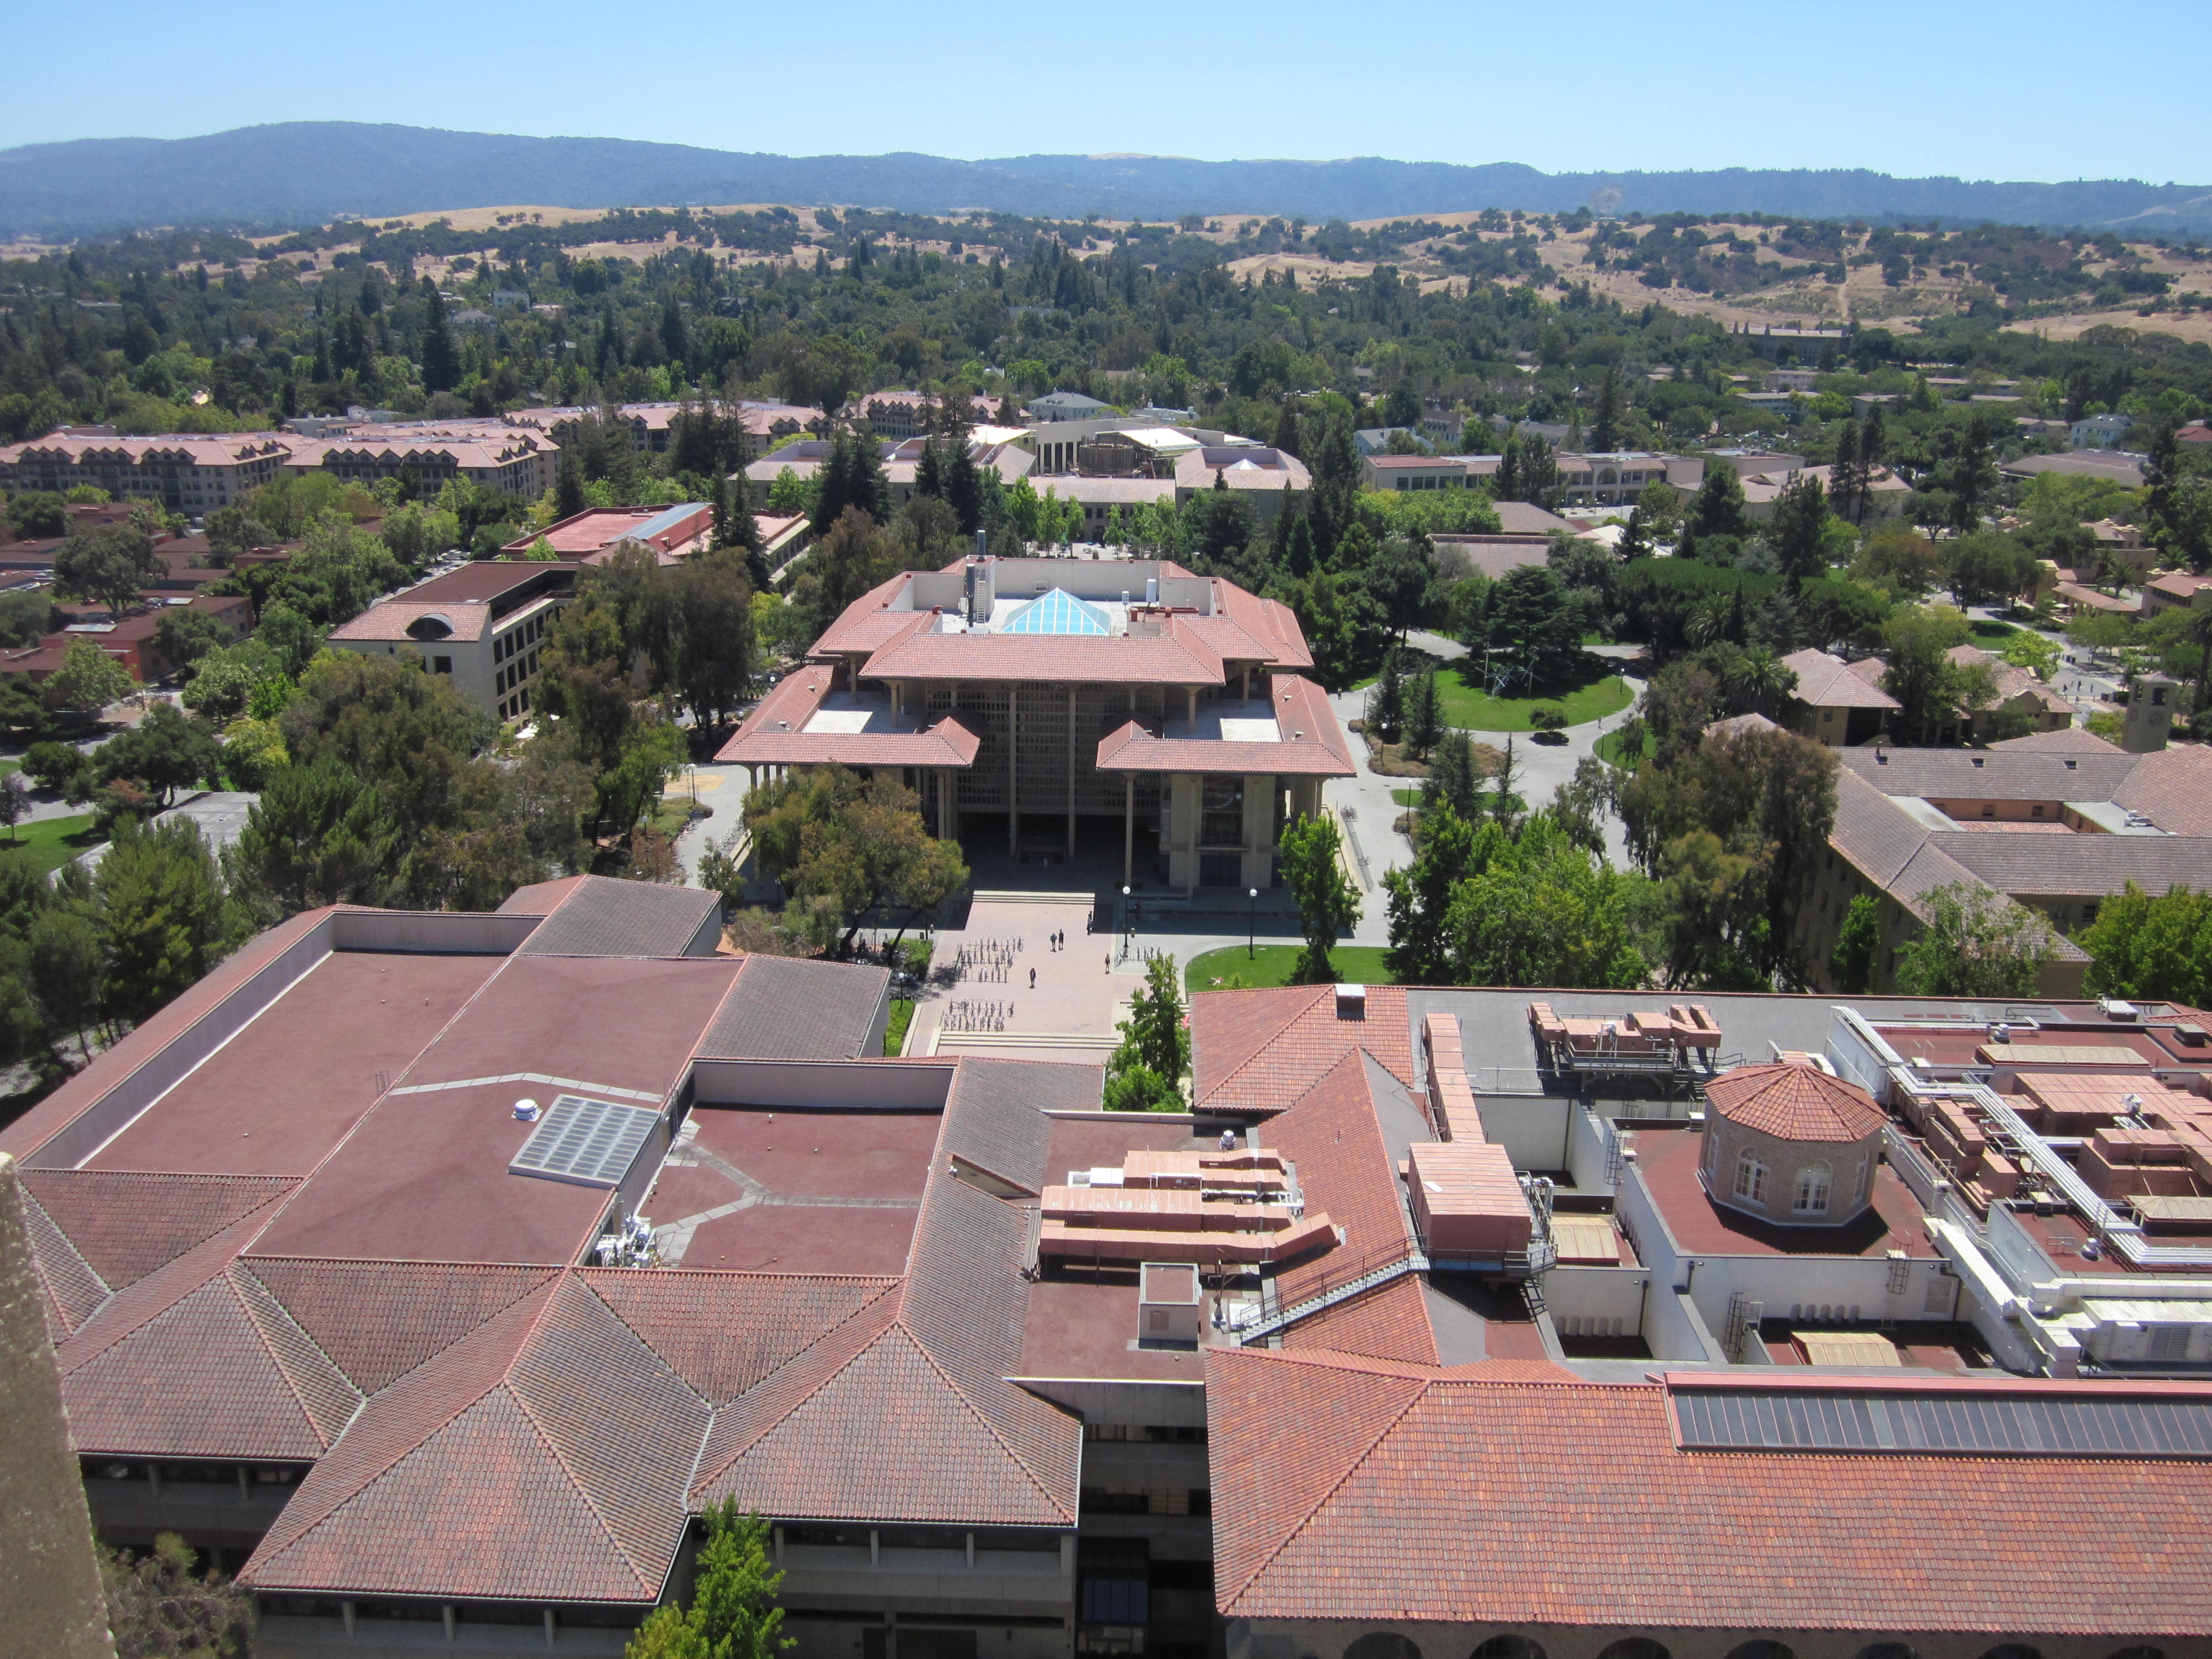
<point x="1472" y="709"/>
<point x="1984" y="628"/>
<point x="1409" y="799"/>
<point x="1272" y="964"/>
<point x="901" y="1017"/>
<point x="1608" y="748"/>
<point x="51" y="842"/>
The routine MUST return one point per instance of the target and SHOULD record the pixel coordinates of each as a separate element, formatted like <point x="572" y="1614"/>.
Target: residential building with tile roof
<point x="1831" y="704"/>
<point x="1122" y="699"/>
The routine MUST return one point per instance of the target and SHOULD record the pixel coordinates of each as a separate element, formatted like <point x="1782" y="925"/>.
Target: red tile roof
<point x="1826" y="682"/>
<point x="1258" y="1051"/>
<point x="775" y="734"/>
<point x="1334" y="1136"/>
<point x="1791" y="1102"/>
<point x="1182" y="660"/>
<point x="1350" y="1490"/>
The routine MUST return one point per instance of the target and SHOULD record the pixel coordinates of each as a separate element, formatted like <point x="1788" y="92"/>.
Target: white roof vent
<point x="525" y="1110"/>
<point x="1351" y="1002"/>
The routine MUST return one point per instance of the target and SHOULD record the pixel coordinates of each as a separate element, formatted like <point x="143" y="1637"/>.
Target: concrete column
<point x="1070" y="773"/>
<point x="1013" y="777"/>
<point x="1128" y="826"/>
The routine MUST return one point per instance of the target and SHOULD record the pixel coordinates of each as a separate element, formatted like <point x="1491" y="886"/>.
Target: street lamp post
<point x="1129" y="923"/>
<point x="1252" y="931"/>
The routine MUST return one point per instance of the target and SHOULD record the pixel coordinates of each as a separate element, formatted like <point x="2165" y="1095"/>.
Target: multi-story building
<point x="432" y="455"/>
<point x="1124" y="697"/>
<point x="2058" y="820"/>
<point x="594" y="535"/>
<point x="485" y="624"/>
<point x="189" y="475"/>
<point x="435" y="1272"/>
<point x="763" y="424"/>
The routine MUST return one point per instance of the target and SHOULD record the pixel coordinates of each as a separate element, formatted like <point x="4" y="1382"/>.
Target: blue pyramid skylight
<point x="1057" y="612"/>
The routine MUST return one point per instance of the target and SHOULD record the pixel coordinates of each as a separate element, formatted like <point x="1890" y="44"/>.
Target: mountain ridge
<point x="293" y="174"/>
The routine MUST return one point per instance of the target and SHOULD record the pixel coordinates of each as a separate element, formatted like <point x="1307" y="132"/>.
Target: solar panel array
<point x="587" y="1143"/>
<point x="1985" y="1425"/>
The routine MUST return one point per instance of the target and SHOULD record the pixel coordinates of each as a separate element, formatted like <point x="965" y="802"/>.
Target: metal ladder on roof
<point x="1406" y="1260"/>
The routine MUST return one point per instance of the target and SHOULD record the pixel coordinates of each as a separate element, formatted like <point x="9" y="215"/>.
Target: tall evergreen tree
<point x="569" y="485"/>
<point x="441" y="366"/>
<point x="1605" y="424"/>
<point x="1286" y="427"/>
<point x="1844" y="474"/>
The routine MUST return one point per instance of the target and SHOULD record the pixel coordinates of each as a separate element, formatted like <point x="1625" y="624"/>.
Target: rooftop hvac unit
<point x="1351" y="1002"/>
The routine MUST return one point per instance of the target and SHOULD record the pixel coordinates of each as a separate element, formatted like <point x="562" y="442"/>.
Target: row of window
<point x="515" y="672"/>
<point x="1809" y="1196"/>
<point x="529" y="634"/>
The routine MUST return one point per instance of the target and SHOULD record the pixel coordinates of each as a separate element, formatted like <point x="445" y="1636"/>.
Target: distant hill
<point x="306" y="172"/>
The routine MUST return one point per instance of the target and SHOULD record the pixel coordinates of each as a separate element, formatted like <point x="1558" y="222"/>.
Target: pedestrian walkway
<point x="1001" y="986"/>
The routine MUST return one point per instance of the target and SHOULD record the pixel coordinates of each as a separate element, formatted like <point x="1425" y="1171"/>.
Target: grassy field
<point x="1984" y="629"/>
<point x="1608" y="749"/>
<point x="1472" y="709"/>
<point x="1272" y="965"/>
<point x="51" y="842"/>
<point x="1410" y="798"/>
<point x="901" y="1017"/>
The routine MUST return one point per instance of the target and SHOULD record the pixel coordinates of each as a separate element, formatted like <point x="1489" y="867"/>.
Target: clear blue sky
<point x="2023" y="90"/>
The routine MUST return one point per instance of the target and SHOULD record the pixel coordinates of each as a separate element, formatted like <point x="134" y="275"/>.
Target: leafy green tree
<point x="25" y="618"/>
<point x="410" y="734"/>
<point x="855" y="844"/>
<point x="1897" y="556"/>
<point x="165" y="752"/>
<point x="318" y="835"/>
<point x="1328" y="903"/>
<point x="1975" y="942"/>
<point x="714" y="618"/>
<point x="1417" y="897"/>
<point x="1735" y="825"/>
<point x="2153" y="947"/>
<point x="165" y="917"/>
<point x="1341" y="625"/>
<point x="1858" y="941"/>
<point x="107" y="564"/>
<point x="733" y="1613"/>
<point x="1535" y="909"/>
<point x="1986" y="566"/>
<point x="37" y="514"/>
<point x="1926" y="684"/>
<point x="225" y="677"/>
<point x="183" y="636"/>
<point x="1402" y="578"/>
<point x="87" y="681"/>
<point x="1145" y="1074"/>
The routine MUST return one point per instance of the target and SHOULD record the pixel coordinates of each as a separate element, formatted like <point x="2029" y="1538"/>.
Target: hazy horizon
<point x="1973" y="90"/>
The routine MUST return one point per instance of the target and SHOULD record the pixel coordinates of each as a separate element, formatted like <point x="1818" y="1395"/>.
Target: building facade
<point x="1122" y="699"/>
<point x="485" y="624"/>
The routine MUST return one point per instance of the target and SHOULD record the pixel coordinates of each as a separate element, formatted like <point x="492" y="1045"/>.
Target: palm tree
<point x="1758" y="680"/>
<point x="1708" y="622"/>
